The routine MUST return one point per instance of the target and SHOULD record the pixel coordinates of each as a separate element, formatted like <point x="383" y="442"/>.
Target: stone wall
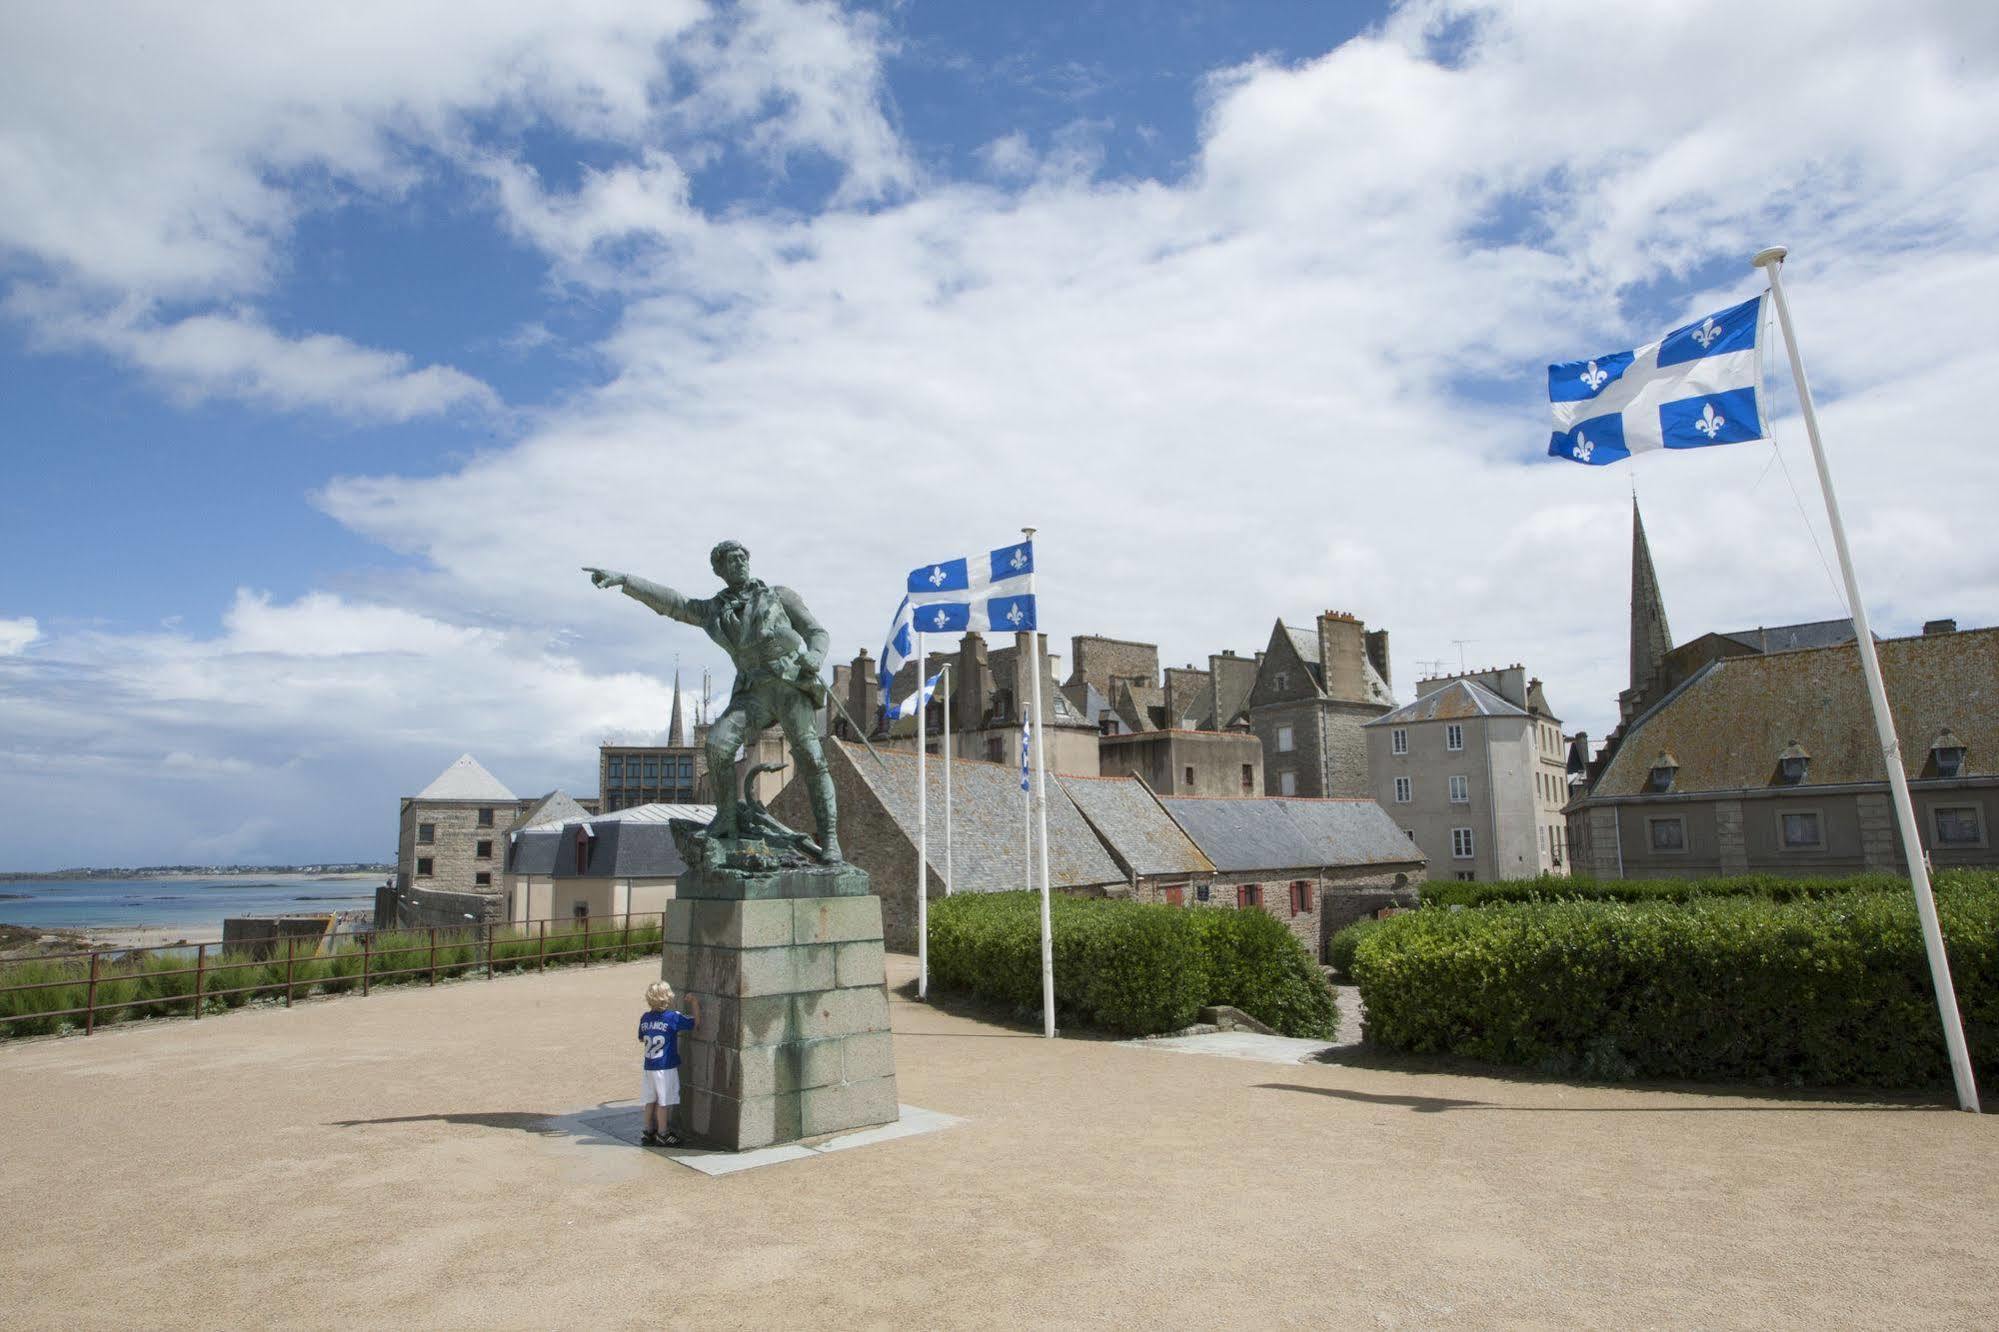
<point x="1102" y="660"/>
<point x="420" y="908"/>
<point x="1339" y="896"/>
<point x="454" y="848"/>
<point x="1164" y="759"/>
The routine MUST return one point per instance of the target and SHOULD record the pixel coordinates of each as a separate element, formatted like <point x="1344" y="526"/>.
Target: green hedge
<point x="1340" y="948"/>
<point x="1556" y="888"/>
<point x="1824" y="991"/>
<point x="1126" y="967"/>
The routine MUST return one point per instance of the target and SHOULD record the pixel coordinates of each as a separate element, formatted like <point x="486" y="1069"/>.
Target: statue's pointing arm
<point x="816" y="638"/>
<point x="688" y="610"/>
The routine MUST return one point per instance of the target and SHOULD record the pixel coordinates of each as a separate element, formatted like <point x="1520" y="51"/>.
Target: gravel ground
<point x="387" y="1162"/>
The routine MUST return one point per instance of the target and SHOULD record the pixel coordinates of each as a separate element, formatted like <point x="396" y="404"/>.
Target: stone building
<point x="1475" y="772"/>
<point x="1315" y="865"/>
<point x="1755" y="750"/>
<point x="878" y="829"/>
<point x="449" y="832"/>
<point x="1163" y="726"/>
<point x="1315" y="690"/>
<point x="1769" y="762"/>
<point x="990" y="695"/>
<point x="572" y="865"/>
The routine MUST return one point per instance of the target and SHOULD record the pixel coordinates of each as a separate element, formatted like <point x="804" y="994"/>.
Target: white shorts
<point x="662" y="1086"/>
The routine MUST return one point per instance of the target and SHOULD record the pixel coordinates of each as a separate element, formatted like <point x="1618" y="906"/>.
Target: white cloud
<point x="17" y="634"/>
<point x="237" y="355"/>
<point x="1302" y="377"/>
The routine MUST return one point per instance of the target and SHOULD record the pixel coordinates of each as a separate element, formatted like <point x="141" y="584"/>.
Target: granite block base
<point x="793" y="1038"/>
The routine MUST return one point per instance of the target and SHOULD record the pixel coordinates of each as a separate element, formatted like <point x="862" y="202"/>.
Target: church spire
<point x="676" y="733"/>
<point x="1651" y="640"/>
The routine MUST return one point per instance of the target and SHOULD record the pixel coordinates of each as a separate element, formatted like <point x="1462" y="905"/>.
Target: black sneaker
<point x="671" y="1139"/>
<point x="648" y="1139"/>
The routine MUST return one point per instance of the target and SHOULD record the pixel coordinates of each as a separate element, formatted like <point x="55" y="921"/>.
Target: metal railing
<point x="324" y="964"/>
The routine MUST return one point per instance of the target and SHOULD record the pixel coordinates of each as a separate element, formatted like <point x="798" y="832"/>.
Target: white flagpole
<point x="1026" y="819"/>
<point x="1771" y="261"/>
<point x="922" y="831"/>
<point x="946" y="687"/>
<point x="1033" y="666"/>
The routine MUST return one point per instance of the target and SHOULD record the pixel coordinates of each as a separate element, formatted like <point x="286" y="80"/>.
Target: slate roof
<point x="1278" y="832"/>
<point x="1790" y="637"/>
<point x="633" y="843"/>
<point x="1129" y="819"/>
<point x="1454" y="702"/>
<point x="1728" y="724"/>
<point x="555" y="807"/>
<point x="466" y="780"/>
<point x="986" y="855"/>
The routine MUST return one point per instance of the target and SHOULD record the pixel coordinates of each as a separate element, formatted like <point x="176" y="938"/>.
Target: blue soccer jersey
<point x="657" y="1031"/>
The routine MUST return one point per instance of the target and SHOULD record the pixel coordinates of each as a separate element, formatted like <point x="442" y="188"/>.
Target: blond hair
<point x="659" y="995"/>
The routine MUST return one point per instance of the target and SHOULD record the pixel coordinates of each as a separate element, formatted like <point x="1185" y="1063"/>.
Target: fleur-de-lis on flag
<point x="937" y="576"/>
<point x="1707" y="333"/>
<point x="942" y="618"/>
<point x="1014" y="617"/>
<point x="1710" y="424"/>
<point x="1582" y="447"/>
<point x="1593" y="377"/>
<point x="1019" y="560"/>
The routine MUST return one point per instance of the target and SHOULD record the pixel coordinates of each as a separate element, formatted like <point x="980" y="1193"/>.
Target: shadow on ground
<point x="609" y="1124"/>
<point x="1786" y="1099"/>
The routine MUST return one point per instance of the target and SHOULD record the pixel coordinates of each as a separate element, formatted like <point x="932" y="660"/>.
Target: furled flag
<point x="898" y="645"/>
<point x="1698" y="385"/>
<point x="992" y="593"/>
<point x="917" y="698"/>
<point x="1026" y="728"/>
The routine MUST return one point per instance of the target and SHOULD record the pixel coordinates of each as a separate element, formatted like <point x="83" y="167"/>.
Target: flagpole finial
<point x="1764" y="258"/>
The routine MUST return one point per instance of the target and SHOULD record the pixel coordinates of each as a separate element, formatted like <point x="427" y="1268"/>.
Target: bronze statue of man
<point x="777" y="647"/>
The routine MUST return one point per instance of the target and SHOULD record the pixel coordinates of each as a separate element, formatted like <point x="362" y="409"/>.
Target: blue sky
<point x="328" y="350"/>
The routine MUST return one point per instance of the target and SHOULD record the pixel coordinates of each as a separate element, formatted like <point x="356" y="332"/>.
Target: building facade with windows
<point x="1474" y="772"/>
<point x="1770" y="763"/>
<point x="605" y="868"/>
<point x="450" y="833"/>
<point x="1315" y="690"/>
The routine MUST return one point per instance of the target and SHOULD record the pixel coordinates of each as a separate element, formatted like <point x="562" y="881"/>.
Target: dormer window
<point x="1948" y="753"/>
<point x="1792" y="765"/>
<point x="1663" y="769"/>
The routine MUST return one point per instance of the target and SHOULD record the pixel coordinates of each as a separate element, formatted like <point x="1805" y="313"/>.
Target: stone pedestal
<point x="793" y="1038"/>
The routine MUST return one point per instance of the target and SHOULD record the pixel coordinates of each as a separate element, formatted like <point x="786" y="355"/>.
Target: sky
<point x="333" y="341"/>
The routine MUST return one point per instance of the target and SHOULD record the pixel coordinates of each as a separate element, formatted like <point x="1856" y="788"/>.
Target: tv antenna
<point x="1432" y="667"/>
<point x="1461" y="649"/>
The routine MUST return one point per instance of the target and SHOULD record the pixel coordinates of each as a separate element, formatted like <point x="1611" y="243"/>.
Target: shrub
<point x="1258" y="965"/>
<point x="1828" y="990"/>
<point x="1554" y="887"/>
<point x="1340" y="948"/>
<point x="1130" y="968"/>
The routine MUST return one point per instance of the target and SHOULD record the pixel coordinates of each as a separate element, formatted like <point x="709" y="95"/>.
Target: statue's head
<point x="731" y="562"/>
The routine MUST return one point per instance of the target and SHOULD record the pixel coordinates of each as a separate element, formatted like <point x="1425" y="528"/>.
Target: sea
<point x="176" y="903"/>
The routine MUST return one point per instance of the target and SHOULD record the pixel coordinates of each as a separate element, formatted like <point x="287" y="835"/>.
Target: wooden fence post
<point x="433" y="955"/>
<point x="367" y="955"/>
<point x="586" y="941"/>
<point x="291" y="955"/>
<point x="200" y="978"/>
<point x="625" y="937"/>
<point x="541" y="945"/>
<point x="489" y="950"/>
<point x="90" y="999"/>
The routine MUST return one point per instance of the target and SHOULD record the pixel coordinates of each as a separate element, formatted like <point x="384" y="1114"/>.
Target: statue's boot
<point x="824" y="817"/>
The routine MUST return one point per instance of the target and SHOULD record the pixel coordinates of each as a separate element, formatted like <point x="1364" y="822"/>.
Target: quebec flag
<point x="1698" y="385"/>
<point x="990" y="593"/>
<point x="917" y="698"/>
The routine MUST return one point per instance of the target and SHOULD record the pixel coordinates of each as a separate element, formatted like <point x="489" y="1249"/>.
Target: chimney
<point x="1342" y="650"/>
<point x="1377" y="654"/>
<point x="972" y="684"/>
<point x="1931" y="627"/>
<point x="862" y="700"/>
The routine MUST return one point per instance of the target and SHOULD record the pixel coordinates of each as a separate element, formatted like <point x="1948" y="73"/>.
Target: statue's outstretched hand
<point x="604" y="577"/>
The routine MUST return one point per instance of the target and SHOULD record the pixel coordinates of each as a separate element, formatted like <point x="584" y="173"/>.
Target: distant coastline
<point x="326" y="870"/>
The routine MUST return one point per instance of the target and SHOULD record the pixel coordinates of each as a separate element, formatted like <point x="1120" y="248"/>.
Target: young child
<point x="659" y="1030"/>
